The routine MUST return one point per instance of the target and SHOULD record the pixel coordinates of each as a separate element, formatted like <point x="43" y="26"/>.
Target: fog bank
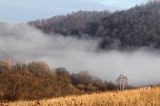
<point x="141" y="66"/>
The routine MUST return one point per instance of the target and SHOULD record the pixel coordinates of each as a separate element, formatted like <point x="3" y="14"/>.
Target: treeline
<point x="128" y="29"/>
<point x="36" y="80"/>
<point x="72" y="24"/>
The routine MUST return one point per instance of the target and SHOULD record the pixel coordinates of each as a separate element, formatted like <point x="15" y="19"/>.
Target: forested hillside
<point x="71" y="24"/>
<point x="133" y="28"/>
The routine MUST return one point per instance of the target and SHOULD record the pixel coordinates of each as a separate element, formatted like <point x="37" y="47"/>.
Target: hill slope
<point x="133" y="28"/>
<point x="70" y="24"/>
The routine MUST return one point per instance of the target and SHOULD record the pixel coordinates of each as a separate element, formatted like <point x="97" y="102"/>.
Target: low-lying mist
<point x="141" y="66"/>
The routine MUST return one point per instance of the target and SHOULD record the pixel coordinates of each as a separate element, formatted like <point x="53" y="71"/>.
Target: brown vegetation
<point x="35" y="80"/>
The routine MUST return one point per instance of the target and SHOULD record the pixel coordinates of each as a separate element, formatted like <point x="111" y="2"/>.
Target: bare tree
<point x="20" y="63"/>
<point x="122" y="81"/>
<point x="5" y="64"/>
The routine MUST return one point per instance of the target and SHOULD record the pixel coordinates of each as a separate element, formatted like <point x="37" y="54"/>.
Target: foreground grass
<point x="140" y="97"/>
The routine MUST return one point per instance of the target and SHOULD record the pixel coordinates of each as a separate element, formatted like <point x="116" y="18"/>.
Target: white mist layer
<point x="142" y="67"/>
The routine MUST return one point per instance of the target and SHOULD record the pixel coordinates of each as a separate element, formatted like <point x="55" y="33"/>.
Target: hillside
<point x="70" y="24"/>
<point x="133" y="28"/>
<point x="140" y="97"/>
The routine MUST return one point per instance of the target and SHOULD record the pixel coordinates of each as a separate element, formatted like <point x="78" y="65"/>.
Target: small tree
<point x="38" y="67"/>
<point x="5" y="65"/>
<point x="19" y="64"/>
<point x="83" y="77"/>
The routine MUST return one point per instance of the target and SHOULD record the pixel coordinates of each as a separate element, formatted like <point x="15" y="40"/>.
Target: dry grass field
<point x="138" y="97"/>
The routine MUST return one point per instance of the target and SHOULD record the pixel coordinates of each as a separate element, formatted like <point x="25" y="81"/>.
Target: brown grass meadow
<point x="149" y="96"/>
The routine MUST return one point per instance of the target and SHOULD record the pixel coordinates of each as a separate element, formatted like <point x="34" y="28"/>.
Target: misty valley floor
<point x="78" y="54"/>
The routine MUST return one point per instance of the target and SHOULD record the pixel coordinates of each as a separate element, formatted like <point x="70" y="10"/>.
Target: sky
<point x="26" y="10"/>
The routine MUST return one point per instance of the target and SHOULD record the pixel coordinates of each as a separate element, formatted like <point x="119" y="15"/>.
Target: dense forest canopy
<point x="128" y="29"/>
<point x="71" y="24"/>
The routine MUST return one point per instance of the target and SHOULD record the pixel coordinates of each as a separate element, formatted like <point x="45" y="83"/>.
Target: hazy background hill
<point x="133" y="28"/>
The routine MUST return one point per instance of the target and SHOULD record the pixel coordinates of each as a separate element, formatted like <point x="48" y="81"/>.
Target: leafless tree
<point x="19" y="63"/>
<point x="122" y="81"/>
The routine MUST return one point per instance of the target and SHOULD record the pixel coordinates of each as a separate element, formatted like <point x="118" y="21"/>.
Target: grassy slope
<point x="138" y="97"/>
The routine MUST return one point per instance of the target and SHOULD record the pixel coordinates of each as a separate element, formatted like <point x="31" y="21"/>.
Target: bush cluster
<point x="35" y="80"/>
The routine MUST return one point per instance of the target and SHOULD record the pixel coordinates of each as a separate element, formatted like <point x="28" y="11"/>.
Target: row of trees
<point x="36" y="80"/>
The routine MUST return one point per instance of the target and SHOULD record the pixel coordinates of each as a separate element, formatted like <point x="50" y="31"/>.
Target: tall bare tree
<point x="122" y="81"/>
